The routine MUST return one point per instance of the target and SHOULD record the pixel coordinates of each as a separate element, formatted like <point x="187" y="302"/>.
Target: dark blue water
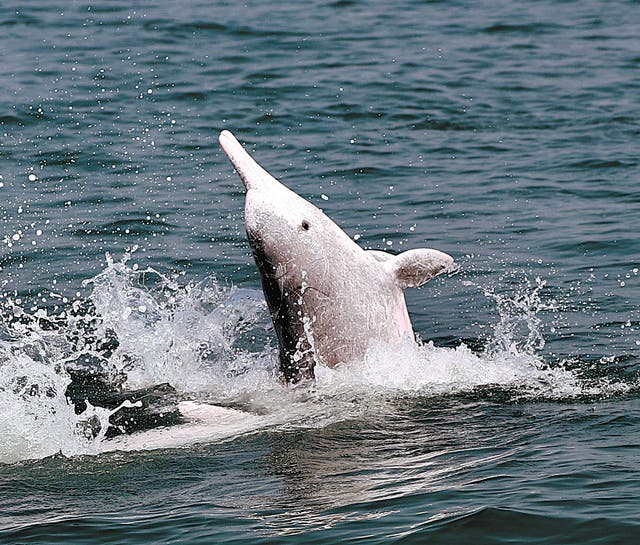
<point x="503" y="133"/>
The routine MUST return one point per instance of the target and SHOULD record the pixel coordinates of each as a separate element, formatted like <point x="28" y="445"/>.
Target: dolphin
<point x="329" y="299"/>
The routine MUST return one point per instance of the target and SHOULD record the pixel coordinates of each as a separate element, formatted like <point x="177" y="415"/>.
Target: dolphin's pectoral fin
<point x="380" y="256"/>
<point x="416" y="267"/>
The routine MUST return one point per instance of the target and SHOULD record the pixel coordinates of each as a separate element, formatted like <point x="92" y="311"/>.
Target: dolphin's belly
<point x="342" y="330"/>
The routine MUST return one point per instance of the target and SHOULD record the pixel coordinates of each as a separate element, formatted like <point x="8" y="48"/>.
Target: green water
<point x="502" y="133"/>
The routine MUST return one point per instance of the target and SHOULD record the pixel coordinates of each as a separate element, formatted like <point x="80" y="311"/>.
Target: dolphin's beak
<point x="252" y="174"/>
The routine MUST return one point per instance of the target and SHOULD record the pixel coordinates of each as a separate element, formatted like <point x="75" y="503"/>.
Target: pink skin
<point x="329" y="299"/>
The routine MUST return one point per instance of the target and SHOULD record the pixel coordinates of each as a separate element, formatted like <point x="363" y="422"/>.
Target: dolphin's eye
<point x="305" y="225"/>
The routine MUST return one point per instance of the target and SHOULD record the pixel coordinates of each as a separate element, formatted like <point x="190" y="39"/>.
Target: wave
<point x="500" y="525"/>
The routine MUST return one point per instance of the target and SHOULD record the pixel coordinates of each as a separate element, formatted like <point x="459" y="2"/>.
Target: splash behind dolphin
<point x="329" y="299"/>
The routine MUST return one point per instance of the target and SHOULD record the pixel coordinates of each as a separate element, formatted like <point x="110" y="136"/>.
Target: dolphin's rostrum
<point x="329" y="299"/>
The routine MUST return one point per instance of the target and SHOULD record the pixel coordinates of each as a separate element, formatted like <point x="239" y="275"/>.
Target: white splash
<point x="215" y="345"/>
<point x="184" y="335"/>
<point x="427" y="370"/>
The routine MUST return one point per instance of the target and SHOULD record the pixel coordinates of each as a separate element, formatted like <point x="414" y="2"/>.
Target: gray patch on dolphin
<point x="329" y="299"/>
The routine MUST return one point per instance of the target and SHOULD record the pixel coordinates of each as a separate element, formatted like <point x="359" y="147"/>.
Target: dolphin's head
<point x="285" y="231"/>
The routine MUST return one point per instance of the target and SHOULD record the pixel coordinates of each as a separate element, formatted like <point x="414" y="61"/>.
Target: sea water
<point x="502" y="133"/>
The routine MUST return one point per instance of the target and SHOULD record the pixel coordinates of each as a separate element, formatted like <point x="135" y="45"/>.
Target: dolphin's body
<point x="329" y="299"/>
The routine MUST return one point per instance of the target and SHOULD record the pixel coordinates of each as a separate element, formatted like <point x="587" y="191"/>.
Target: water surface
<point x="504" y="134"/>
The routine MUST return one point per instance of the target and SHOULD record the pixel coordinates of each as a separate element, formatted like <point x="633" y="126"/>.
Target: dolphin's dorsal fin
<point x="416" y="267"/>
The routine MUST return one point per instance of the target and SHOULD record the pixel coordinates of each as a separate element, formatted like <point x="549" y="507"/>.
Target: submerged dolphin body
<point x="329" y="299"/>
